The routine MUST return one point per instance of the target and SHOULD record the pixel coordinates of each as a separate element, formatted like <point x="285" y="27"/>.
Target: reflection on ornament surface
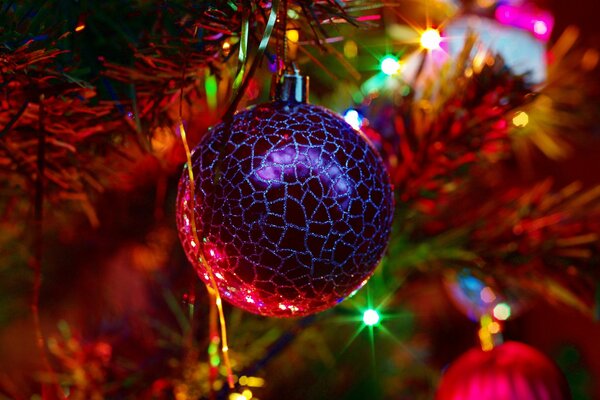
<point x="293" y="206"/>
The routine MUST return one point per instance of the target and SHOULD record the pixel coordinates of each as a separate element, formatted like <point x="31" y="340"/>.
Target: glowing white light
<point x="370" y="317"/>
<point x="540" y="27"/>
<point x="390" y="65"/>
<point x="502" y="311"/>
<point x="353" y="118"/>
<point x="431" y="39"/>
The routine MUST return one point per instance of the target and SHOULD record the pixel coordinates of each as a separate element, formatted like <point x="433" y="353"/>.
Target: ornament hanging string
<point x="282" y="42"/>
<point x="238" y="92"/>
<point x="240" y="84"/>
<point x="213" y="288"/>
<point x="243" y="51"/>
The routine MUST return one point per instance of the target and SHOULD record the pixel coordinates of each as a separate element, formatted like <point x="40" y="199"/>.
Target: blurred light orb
<point x="540" y="27"/>
<point x="477" y="298"/>
<point x="390" y="65"/>
<point x="431" y="39"/>
<point x="370" y="317"/>
<point x="502" y="311"/>
<point x="521" y="119"/>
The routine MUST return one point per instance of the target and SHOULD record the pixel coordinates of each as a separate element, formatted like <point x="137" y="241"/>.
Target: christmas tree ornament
<point x="293" y="207"/>
<point x="512" y="371"/>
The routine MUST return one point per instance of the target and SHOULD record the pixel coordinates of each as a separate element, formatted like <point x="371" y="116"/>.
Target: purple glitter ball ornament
<point x="293" y="209"/>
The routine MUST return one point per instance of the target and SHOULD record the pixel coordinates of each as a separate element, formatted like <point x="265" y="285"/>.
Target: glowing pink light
<point x="376" y="17"/>
<point x="540" y="27"/>
<point x="536" y="21"/>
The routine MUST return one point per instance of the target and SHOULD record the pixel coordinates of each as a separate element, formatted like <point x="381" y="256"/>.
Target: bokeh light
<point x="390" y="65"/>
<point x="502" y="312"/>
<point x="370" y="317"/>
<point x="431" y="39"/>
<point x="521" y="119"/>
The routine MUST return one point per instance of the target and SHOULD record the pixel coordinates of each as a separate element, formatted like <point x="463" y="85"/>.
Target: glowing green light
<point x="390" y="65"/>
<point x="211" y="87"/>
<point x="370" y="317"/>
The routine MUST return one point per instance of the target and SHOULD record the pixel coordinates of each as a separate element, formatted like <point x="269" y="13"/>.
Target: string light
<point x="540" y="28"/>
<point x="251" y="381"/>
<point x="370" y="317"/>
<point x="390" y="65"/>
<point x="293" y="35"/>
<point x="350" y="49"/>
<point x="486" y="337"/>
<point x="502" y="312"/>
<point x="226" y="48"/>
<point x="487" y="295"/>
<point x="494" y="327"/>
<point x="521" y="119"/>
<point x="431" y="39"/>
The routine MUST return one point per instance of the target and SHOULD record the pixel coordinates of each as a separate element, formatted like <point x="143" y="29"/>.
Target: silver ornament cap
<point x="292" y="87"/>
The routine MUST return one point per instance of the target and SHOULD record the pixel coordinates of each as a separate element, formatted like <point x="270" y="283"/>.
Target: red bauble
<point x="511" y="371"/>
<point x="293" y="209"/>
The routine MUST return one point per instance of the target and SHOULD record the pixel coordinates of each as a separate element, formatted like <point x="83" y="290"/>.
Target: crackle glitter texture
<point x="293" y="209"/>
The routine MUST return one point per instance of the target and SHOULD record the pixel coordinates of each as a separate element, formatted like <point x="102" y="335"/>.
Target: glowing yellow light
<point x="293" y="35"/>
<point x="252" y="381"/>
<point x="226" y="48"/>
<point x="487" y="343"/>
<point x="431" y="39"/>
<point x="236" y="396"/>
<point x="487" y="295"/>
<point x="502" y="312"/>
<point x="494" y="327"/>
<point x="80" y="28"/>
<point x="485" y="335"/>
<point x="255" y="381"/>
<point x="247" y="394"/>
<point x="370" y="317"/>
<point x="486" y="3"/>
<point x="390" y="65"/>
<point x="521" y="119"/>
<point x="350" y="49"/>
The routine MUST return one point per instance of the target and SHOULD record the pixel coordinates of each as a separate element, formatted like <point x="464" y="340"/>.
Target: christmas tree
<point x="184" y="216"/>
